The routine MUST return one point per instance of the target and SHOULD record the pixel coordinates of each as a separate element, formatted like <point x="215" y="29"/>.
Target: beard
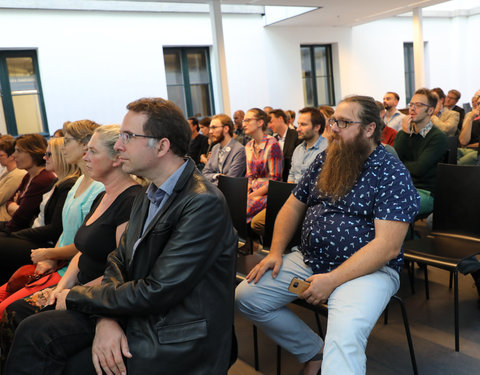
<point x="343" y="165"/>
<point x="387" y="107"/>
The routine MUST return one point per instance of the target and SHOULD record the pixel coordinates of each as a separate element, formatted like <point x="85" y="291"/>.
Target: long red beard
<point x="343" y="165"/>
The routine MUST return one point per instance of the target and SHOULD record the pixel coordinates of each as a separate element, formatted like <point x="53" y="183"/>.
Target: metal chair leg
<point x="455" y="303"/>
<point x="427" y="289"/>
<point x="407" y="333"/>
<point x="279" y="360"/>
<point x="450" y="281"/>
<point x="255" y="347"/>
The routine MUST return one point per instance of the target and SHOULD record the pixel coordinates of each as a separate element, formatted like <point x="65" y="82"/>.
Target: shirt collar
<point x="156" y="195"/>
<point x="424" y="131"/>
<point x="317" y="144"/>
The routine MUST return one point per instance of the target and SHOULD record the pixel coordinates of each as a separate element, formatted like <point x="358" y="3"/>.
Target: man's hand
<point x="108" y="346"/>
<point x="270" y="261"/>
<point x="406" y="123"/>
<point x="321" y="286"/>
<point x="61" y="297"/>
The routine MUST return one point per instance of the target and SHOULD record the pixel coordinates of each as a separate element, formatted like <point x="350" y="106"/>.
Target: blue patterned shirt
<point x="333" y="231"/>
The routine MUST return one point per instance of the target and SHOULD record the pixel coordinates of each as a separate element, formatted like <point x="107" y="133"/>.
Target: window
<point x="317" y="75"/>
<point x="409" y="70"/>
<point x="22" y="109"/>
<point x="189" y="83"/>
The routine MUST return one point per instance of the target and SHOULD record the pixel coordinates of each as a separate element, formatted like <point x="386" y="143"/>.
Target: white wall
<point x="93" y="64"/>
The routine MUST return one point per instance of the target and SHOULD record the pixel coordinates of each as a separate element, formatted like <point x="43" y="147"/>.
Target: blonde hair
<point x="109" y="135"/>
<point x="81" y="130"/>
<point x="62" y="169"/>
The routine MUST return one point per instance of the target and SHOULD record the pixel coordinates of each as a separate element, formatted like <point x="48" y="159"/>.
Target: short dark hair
<point x="394" y="94"/>
<point x="432" y="100"/>
<point x="439" y="92"/>
<point x="369" y="113"/>
<point x="33" y="144"/>
<point x="194" y="121"/>
<point x="205" y="121"/>
<point x="164" y="120"/>
<point x="7" y="144"/>
<point x="260" y="114"/>
<point x="226" y="121"/>
<point x="316" y="117"/>
<point x="456" y="93"/>
<point x="279" y="113"/>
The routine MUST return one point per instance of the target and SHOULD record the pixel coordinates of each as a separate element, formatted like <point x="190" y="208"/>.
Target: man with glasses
<point x="355" y="201"/>
<point x="166" y="300"/>
<point x="443" y="118"/>
<point x="420" y="145"/>
<point x="228" y="156"/>
<point x="451" y="101"/>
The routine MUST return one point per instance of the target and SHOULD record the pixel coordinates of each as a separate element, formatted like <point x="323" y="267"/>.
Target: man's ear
<point x="370" y="129"/>
<point x="162" y="146"/>
<point x="430" y="110"/>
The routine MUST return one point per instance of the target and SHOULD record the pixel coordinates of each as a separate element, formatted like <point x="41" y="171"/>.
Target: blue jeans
<point x="353" y="309"/>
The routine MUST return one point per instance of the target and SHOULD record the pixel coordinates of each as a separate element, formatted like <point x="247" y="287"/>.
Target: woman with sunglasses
<point x="47" y="227"/>
<point x="77" y="205"/>
<point x="21" y="209"/>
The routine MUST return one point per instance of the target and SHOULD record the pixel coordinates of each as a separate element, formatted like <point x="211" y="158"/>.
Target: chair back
<point x="278" y="193"/>
<point x="235" y="191"/>
<point x="452" y="145"/>
<point x="456" y="208"/>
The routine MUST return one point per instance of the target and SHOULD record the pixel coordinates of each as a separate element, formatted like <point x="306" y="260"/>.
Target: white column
<point x="222" y="97"/>
<point x="418" y="49"/>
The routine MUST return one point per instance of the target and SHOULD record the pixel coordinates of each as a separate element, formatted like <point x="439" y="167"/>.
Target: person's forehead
<point x="389" y="96"/>
<point x="347" y="111"/>
<point x="133" y="122"/>
<point x="304" y="117"/>
<point x="215" y="122"/>
<point x="419" y="98"/>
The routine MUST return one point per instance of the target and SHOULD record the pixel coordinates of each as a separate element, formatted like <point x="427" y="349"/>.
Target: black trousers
<point x="52" y="342"/>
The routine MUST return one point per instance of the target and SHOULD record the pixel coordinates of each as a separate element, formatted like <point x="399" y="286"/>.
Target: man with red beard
<point x="356" y="201"/>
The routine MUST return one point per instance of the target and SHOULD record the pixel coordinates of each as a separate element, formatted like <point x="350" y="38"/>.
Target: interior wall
<point x="93" y="63"/>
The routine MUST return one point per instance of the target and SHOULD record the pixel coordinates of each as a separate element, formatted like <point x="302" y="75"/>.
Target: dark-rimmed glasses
<point x="341" y="124"/>
<point x="127" y="136"/>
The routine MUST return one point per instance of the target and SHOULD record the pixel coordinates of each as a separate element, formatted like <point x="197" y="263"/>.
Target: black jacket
<point x="174" y="297"/>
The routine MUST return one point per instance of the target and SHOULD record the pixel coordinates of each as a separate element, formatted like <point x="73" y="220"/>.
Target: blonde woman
<point x="15" y="249"/>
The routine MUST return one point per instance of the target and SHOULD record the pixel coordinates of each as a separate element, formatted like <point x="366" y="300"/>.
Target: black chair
<point x="452" y="146"/>
<point x="456" y="227"/>
<point x="246" y="263"/>
<point x="278" y="193"/>
<point x="235" y="191"/>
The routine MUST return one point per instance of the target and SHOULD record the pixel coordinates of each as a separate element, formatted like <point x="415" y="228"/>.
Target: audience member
<point x="204" y="124"/>
<point x="311" y="124"/>
<point x="357" y="201"/>
<point x="291" y="118"/>
<point x="450" y="103"/>
<point x="98" y="235"/>
<point x="228" y="156"/>
<point x="167" y="291"/>
<point x="15" y="248"/>
<point x="199" y="142"/>
<point x="267" y="109"/>
<point x="11" y="177"/>
<point x="388" y="133"/>
<point x="58" y="133"/>
<point x="443" y="118"/>
<point x="287" y="138"/>
<point x="421" y="146"/>
<point x="469" y="137"/>
<point x="22" y="207"/>
<point x="239" y="133"/>
<point x="76" y="207"/>
<point x="393" y="117"/>
<point x="264" y="160"/>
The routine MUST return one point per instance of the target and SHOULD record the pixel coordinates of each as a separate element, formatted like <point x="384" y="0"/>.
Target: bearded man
<point x="356" y="201"/>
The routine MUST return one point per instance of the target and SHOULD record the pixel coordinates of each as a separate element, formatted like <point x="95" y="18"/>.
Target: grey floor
<point x="431" y="323"/>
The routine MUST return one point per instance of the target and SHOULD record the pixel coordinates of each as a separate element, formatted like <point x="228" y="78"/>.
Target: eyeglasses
<point x="342" y="124"/>
<point x="127" y="136"/>
<point x="247" y="120"/>
<point x="48" y="154"/>
<point x="217" y="127"/>
<point x="417" y="104"/>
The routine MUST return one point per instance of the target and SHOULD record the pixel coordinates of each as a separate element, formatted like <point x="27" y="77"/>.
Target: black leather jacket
<point x="174" y="297"/>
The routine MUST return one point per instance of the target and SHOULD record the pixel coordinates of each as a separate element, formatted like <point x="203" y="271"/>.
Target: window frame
<point x="6" y="96"/>
<point x="313" y="78"/>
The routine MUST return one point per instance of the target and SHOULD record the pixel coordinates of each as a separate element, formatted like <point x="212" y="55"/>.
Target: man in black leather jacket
<point x="165" y="305"/>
